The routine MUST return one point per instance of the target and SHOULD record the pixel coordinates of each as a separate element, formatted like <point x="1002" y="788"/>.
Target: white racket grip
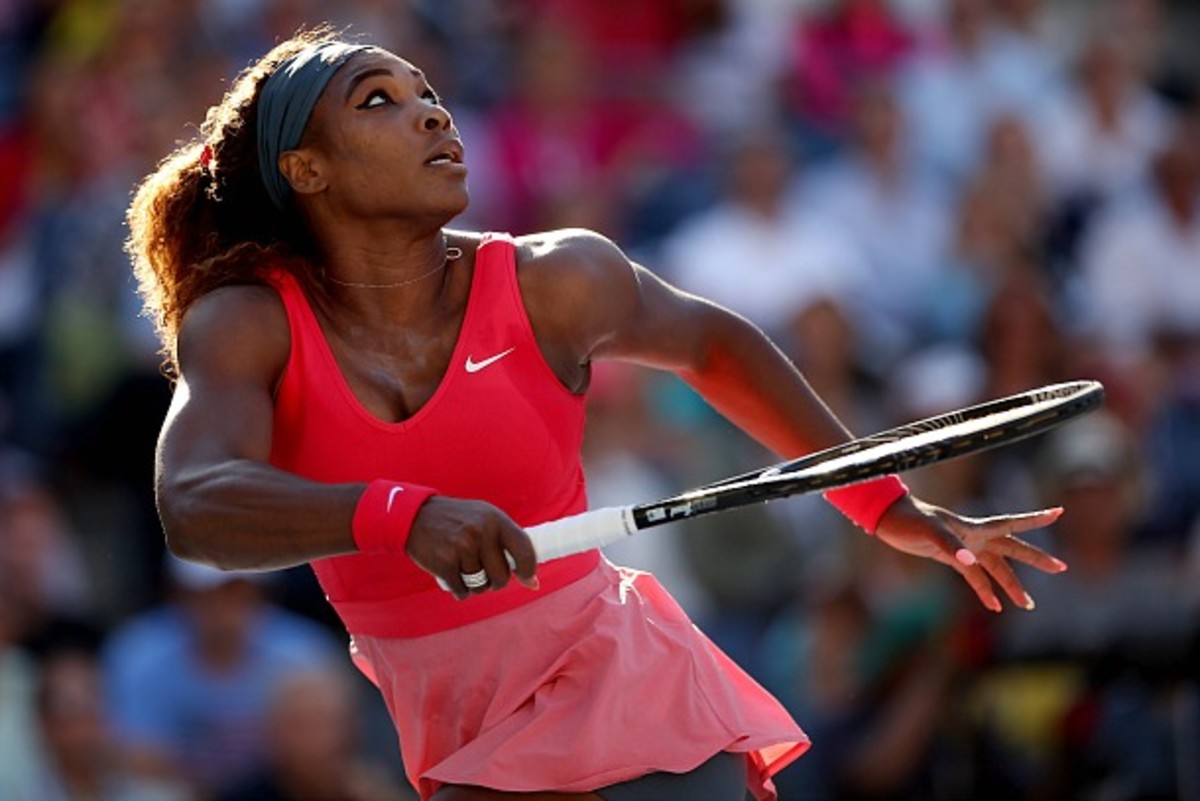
<point x="575" y="534"/>
<point x="581" y="532"/>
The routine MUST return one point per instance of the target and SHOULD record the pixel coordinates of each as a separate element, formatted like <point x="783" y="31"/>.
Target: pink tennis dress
<point x="598" y="677"/>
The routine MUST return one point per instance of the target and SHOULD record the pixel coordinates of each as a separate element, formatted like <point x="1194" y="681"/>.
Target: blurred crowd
<point x="927" y="203"/>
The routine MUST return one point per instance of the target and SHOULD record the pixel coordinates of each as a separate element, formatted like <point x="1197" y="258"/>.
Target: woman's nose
<point x="437" y="118"/>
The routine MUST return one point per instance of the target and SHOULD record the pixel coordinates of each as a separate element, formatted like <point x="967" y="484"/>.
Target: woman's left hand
<point x="978" y="548"/>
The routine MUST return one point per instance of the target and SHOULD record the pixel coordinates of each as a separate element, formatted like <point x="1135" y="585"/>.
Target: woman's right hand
<point x="451" y="537"/>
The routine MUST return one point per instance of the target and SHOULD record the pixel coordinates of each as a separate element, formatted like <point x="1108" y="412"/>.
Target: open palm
<point x="978" y="548"/>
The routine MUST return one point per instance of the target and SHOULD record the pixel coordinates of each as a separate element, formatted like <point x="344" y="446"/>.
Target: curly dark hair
<point x="202" y="219"/>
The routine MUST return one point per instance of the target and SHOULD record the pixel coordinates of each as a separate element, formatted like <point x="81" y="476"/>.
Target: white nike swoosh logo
<point x="391" y="497"/>
<point x="474" y="366"/>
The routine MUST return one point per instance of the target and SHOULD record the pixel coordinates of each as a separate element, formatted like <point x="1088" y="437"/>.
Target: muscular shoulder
<point x="576" y="271"/>
<point x="239" y="330"/>
<point x="571" y="254"/>
<point x="575" y="285"/>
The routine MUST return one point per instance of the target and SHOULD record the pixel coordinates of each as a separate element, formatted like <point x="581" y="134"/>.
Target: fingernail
<point x="532" y="583"/>
<point x="995" y="605"/>
<point x="965" y="556"/>
<point x="1029" y="604"/>
<point x="1061" y="565"/>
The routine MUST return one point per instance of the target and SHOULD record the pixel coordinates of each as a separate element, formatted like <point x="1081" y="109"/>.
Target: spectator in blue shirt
<point x="190" y="682"/>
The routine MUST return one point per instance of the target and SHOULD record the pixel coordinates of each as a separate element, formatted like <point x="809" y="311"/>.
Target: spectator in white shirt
<point x="1141" y="261"/>
<point x="1098" y="137"/>
<point x="752" y="251"/>
<point x="900" y="218"/>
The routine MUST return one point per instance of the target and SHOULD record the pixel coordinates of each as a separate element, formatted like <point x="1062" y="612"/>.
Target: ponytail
<point x="202" y="219"/>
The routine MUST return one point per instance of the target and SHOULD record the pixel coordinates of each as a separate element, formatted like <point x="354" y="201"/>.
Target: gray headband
<point x="285" y="104"/>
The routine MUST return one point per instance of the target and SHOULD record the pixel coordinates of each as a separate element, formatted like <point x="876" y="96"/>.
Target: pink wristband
<point x="865" y="503"/>
<point x="385" y="513"/>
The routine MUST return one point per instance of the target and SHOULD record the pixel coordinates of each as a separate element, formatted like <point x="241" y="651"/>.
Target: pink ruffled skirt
<point x="599" y="682"/>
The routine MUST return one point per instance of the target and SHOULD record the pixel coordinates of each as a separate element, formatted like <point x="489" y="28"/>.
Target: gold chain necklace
<point x="452" y="253"/>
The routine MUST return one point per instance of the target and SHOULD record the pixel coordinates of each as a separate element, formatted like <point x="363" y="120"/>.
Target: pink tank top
<point x="500" y="427"/>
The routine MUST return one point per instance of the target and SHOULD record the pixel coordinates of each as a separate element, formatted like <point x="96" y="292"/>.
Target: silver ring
<point x="475" y="580"/>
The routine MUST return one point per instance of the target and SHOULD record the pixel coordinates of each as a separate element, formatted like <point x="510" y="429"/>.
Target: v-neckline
<point x="457" y="355"/>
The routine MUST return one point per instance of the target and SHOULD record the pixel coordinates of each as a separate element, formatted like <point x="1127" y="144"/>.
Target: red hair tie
<point x="206" y="156"/>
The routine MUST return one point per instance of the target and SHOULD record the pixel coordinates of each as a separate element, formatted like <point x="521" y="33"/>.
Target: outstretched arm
<point x="609" y="307"/>
<point x="585" y="293"/>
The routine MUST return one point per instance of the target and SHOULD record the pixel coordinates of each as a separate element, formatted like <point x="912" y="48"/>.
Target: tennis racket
<point x="934" y="439"/>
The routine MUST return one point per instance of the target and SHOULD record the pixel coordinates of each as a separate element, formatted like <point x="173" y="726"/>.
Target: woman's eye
<point x="376" y="98"/>
<point x="432" y="97"/>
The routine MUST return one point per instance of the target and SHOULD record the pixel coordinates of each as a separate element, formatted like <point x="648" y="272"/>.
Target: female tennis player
<point x="361" y="389"/>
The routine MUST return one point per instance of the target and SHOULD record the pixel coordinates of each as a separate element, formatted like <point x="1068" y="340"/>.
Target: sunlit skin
<point x="377" y="178"/>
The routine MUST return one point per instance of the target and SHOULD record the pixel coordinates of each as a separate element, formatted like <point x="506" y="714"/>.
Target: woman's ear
<point x="302" y="169"/>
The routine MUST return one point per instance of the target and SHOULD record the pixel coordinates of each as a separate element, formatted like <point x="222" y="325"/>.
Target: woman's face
<point x="383" y="143"/>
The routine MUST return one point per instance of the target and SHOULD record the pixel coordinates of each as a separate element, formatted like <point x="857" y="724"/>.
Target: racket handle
<point x="575" y="534"/>
<point x="581" y="532"/>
